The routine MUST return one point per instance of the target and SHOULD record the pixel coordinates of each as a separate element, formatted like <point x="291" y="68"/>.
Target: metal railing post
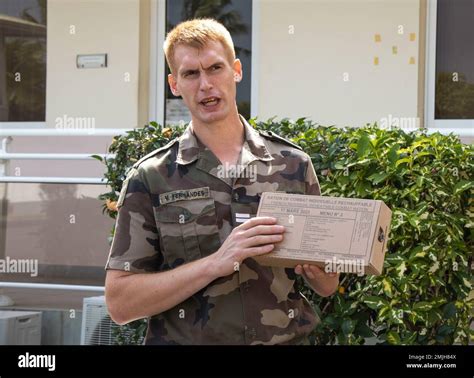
<point x="5" y="300"/>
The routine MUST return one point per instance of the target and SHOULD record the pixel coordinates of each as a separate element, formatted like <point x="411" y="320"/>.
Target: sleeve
<point x="311" y="180"/>
<point x="135" y="246"/>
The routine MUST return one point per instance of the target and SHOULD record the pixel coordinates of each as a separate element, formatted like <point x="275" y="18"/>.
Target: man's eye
<point x="189" y="74"/>
<point x="215" y="68"/>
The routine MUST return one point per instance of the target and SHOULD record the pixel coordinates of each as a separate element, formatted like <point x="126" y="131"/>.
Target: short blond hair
<point x="197" y="33"/>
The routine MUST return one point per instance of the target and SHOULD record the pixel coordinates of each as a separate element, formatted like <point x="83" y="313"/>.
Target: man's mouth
<point x="210" y="101"/>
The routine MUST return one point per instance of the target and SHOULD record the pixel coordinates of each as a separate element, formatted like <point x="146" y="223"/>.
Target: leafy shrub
<point x="427" y="181"/>
<point x="128" y="149"/>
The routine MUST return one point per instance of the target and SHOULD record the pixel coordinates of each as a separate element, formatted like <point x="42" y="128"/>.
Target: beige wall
<point x="101" y="26"/>
<point x="301" y="74"/>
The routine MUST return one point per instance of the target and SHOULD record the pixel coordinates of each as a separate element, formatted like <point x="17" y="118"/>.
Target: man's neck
<point x="224" y="138"/>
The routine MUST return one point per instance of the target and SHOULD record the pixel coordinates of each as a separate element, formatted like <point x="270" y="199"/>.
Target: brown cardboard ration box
<point x="335" y="233"/>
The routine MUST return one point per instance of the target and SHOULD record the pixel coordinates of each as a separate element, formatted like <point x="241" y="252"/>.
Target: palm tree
<point x="26" y="13"/>
<point x="221" y="11"/>
<point x="216" y="9"/>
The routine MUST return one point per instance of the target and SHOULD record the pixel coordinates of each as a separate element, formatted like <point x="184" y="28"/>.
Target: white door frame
<point x="157" y="61"/>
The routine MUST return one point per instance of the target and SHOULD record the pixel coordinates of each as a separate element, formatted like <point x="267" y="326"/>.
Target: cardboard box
<point x="335" y="233"/>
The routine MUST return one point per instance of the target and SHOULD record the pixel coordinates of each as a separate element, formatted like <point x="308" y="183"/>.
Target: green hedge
<point x="427" y="181"/>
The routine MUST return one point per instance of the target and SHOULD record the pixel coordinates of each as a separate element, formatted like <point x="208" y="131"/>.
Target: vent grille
<point x="97" y="326"/>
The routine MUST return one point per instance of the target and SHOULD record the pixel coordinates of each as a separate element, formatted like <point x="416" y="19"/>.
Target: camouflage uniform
<point x="175" y="207"/>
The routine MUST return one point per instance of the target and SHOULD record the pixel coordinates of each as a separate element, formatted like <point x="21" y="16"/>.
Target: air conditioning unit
<point x="20" y="328"/>
<point x="99" y="329"/>
<point x="97" y="326"/>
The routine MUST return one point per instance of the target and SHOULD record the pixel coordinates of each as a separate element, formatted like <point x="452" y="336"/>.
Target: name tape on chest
<point x="185" y="194"/>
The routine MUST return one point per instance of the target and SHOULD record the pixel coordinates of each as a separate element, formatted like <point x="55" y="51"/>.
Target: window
<point x="237" y="18"/>
<point x="22" y="60"/>
<point x="455" y="60"/>
<point x="450" y="52"/>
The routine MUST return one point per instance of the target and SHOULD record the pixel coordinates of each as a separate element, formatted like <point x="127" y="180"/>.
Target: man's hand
<point x="254" y="237"/>
<point x="325" y="284"/>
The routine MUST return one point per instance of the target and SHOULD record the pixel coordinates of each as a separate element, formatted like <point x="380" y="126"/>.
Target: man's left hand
<point x="323" y="283"/>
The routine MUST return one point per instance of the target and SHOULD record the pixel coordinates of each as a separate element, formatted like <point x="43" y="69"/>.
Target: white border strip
<point x="23" y="125"/>
<point x="152" y="95"/>
<point x="62" y="132"/>
<point x="54" y="180"/>
<point x="41" y="156"/>
<point x="160" y="62"/>
<point x="430" y="63"/>
<point x="255" y="84"/>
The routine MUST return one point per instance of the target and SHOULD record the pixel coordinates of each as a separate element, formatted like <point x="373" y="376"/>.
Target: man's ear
<point x="238" y="73"/>
<point x="173" y="85"/>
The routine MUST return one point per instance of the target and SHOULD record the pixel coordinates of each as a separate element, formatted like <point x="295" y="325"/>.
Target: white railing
<point x="44" y="156"/>
<point x="23" y="285"/>
<point x="53" y="180"/>
<point x="61" y="132"/>
<point x="7" y="135"/>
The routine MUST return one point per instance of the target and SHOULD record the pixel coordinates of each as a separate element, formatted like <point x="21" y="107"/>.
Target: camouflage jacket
<point x="176" y="206"/>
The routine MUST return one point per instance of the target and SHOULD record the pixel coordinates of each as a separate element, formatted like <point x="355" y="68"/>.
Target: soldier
<point x="186" y="229"/>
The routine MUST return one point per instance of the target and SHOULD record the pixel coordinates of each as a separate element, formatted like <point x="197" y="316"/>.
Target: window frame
<point x="461" y="127"/>
<point x="157" y="91"/>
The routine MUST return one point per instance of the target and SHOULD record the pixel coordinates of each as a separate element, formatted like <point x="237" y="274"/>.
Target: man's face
<point x="206" y="81"/>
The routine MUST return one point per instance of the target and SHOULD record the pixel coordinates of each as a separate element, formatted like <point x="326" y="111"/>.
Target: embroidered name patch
<point x="185" y="194"/>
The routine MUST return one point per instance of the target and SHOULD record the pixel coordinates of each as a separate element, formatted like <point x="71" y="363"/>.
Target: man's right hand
<point x="254" y="237"/>
<point x="128" y="294"/>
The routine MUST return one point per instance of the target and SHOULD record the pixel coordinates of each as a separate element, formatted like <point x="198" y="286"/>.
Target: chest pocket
<point x="188" y="230"/>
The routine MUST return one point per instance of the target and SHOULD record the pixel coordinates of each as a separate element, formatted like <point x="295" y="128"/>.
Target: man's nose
<point x="205" y="83"/>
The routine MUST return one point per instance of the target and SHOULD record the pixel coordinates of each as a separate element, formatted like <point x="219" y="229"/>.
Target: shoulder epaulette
<point x="153" y="153"/>
<point x="275" y="137"/>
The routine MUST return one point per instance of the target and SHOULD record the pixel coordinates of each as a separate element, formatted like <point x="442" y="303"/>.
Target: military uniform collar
<point x="190" y="147"/>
